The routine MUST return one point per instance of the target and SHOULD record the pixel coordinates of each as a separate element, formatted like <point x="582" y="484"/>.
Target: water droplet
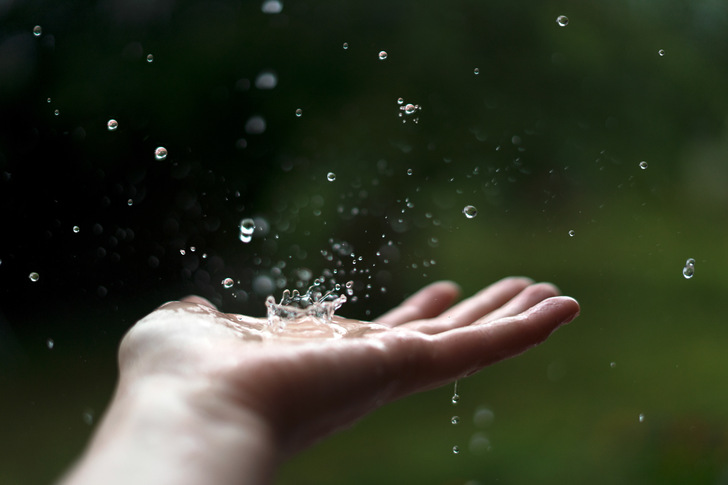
<point x="346" y="45"/>
<point x="476" y="71"/>
<point x="50" y="343"/>
<point x="299" y="112"/>
<point x="661" y="52"/>
<point x="456" y="449"/>
<point x="400" y="101"/>
<point x="455" y="398"/>
<point x="612" y="365"/>
<point x="76" y="229"/>
<point x="57" y="112"/>
<point x="562" y="20"/>
<point x="272" y="7"/>
<point x="689" y="269"/>
<point x="483" y="417"/>
<point x="247" y="227"/>
<point x="349" y="284"/>
<point x="266" y="80"/>
<point x="410" y="108"/>
<point x="88" y="417"/>
<point x="382" y="55"/>
<point x="34" y="276"/>
<point x="643" y="165"/>
<point x="49" y="100"/>
<point x="37" y="30"/>
<point x="470" y="211"/>
<point x="228" y="283"/>
<point x="641" y="418"/>
<point x="255" y="125"/>
<point x="130" y="202"/>
<point x="112" y="125"/>
<point x="331" y="176"/>
<point x="455" y="419"/>
<point x="150" y="58"/>
<point x="160" y="153"/>
<point x="571" y="233"/>
<point x="409" y="171"/>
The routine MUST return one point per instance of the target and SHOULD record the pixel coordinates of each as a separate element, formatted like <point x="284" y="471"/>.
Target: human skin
<point x="209" y="397"/>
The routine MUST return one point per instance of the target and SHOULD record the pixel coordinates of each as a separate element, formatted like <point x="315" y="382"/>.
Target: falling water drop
<point x="476" y="71"/>
<point x="34" y="276"/>
<point x="689" y="269"/>
<point x="641" y="418"/>
<point x="299" y="112"/>
<point x="562" y="20"/>
<point x="400" y="100"/>
<point x="150" y="58"/>
<point x="37" y="30"/>
<point x="455" y="396"/>
<point x="272" y="7"/>
<point x="160" y="153"/>
<point x="410" y="108"/>
<point x="112" y="125"/>
<point x="50" y="343"/>
<point x="76" y="229"/>
<point x="456" y="449"/>
<point x="643" y="165"/>
<point x="455" y="419"/>
<point x="228" y="283"/>
<point x="331" y="176"/>
<point x="661" y="52"/>
<point x="572" y="233"/>
<point x="57" y="112"/>
<point x="470" y="211"/>
<point x="382" y="55"/>
<point x="346" y="45"/>
<point x="247" y="227"/>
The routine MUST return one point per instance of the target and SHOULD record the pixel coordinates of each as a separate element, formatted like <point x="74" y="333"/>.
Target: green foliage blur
<point x="545" y="139"/>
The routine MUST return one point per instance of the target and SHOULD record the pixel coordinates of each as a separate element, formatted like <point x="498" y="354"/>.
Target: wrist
<point x="161" y="430"/>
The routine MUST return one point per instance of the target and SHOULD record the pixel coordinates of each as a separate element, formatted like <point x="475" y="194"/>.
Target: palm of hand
<point x="305" y="388"/>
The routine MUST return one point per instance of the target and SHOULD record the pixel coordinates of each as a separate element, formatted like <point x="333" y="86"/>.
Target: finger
<point x="526" y="299"/>
<point x="435" y="360"/>
<point x="475" y="307"/>
<point x="429" y="302"/>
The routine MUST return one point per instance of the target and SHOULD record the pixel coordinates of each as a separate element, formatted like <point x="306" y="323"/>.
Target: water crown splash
<point x="312" y="311"/>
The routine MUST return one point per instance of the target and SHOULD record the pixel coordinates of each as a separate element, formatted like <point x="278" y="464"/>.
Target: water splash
<point x="314" y="308"/>
<point x="407" y="110"/>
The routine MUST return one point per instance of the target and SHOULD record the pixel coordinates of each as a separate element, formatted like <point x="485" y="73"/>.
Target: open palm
<point x="306" y="387"/>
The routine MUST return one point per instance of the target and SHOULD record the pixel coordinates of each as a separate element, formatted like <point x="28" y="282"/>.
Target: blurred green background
<point x="546" y="138"/>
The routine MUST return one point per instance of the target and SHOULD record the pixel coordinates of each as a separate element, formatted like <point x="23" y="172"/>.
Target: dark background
<point x="547" y="138"/>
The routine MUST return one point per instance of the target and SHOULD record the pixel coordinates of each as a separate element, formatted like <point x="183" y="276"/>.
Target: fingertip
<point x="447" y="286"/>
<point x="575" y="309"/>
<point x="519" y="279"/>
<point x="567" y="308"/>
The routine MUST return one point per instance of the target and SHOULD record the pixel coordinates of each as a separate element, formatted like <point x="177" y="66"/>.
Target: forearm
<point x="162" y="432"/>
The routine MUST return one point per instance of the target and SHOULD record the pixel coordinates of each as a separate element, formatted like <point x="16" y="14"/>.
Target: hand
<point x="295" y="389"/>
<point x="305" y="388"/>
